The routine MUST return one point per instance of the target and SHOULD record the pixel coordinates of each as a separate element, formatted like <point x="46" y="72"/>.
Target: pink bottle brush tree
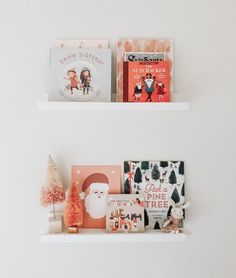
<point x="53" y="191"/>
<point x="73" y="217"/>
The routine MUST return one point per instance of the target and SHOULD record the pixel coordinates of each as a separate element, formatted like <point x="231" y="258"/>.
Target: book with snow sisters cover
<point x="80" y="74"/>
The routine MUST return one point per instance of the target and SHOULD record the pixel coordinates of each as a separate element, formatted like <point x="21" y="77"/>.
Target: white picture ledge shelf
<point x="113" y="106"/>
<point x="97" y="235"/>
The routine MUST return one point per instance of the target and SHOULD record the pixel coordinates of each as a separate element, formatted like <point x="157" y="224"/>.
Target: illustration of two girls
<point x="76" y="83"/>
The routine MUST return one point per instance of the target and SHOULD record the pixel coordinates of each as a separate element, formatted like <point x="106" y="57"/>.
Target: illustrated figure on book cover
<point x="73" y="80"/>
<point x="149" y="81"/>
<point x="137" y="91"/>
<point x="74" y="83"/>
<point x="94" y="183"/>
<point x="125" y="213"/>
<point x="160" y="90"/>
<point x="85" y="77"/>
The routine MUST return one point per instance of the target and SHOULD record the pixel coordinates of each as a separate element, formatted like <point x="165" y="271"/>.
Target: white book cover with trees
<point x="158" y="182"/>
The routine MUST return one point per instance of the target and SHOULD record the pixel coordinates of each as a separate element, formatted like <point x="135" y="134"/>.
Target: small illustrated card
<point x="125" y="213"/>
<point x="79" y="43"/>
<point x="94" y="183"/>
<point x="80" y="74"/>
<point x="158" y="182"/>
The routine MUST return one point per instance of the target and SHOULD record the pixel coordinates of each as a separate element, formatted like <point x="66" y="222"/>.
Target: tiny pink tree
<point x="53" y="191"/>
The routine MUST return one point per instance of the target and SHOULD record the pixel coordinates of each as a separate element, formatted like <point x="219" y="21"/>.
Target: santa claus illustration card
<point x="94" y="183"/>
<point x="125" y="213"/>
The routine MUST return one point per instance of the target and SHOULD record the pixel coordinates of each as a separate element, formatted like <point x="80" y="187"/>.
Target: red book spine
<point x="125" y="81"/>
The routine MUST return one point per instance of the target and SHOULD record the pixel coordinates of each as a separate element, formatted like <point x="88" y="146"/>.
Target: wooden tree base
<point x="73" y="230"/>
<point x="54" y="225"/>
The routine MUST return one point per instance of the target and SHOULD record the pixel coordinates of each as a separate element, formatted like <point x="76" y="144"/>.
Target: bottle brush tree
<point x="52" y="191"/>
<point x="73" y="210"/>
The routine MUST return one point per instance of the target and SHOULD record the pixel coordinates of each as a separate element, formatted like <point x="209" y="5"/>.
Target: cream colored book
<point x="79" y="43"/>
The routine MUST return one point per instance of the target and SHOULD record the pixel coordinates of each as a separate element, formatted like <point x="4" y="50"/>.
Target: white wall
<point x="205" y="43"/>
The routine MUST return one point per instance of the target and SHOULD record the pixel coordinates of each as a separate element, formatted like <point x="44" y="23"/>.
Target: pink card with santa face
<point x="94" y="183"/>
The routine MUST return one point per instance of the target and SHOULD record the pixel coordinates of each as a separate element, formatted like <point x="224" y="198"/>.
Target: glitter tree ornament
<point x="73" y="216"/>
<point x="52" y="191"/>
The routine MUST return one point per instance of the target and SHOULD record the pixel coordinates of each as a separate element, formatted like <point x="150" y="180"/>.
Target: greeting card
<point x="94" y="184"/>
<point x="80" y="74"/>
<point x="125" y="213"/>
<point x="158" y="182"/>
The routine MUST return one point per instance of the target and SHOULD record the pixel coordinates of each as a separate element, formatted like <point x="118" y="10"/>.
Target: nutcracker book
<point x="125" y="213"/>
<point x="158" y="182"/>
<point x="147" y="45"/>
<point x="94" y="183"/>
<point x="80" y="74"/>
<point x="146" y="81"/>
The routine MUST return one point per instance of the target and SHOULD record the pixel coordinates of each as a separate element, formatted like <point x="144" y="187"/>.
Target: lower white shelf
<point x="113" y="106"/>
<point x="100" y="235"/>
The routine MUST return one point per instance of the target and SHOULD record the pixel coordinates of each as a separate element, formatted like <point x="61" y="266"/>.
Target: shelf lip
<point x="97" y="235"/>
<point x="113" y="106"/>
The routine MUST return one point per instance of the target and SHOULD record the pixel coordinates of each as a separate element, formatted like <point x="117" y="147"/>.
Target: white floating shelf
<point x="113" y="106"/>
<point x="100" y="235"/>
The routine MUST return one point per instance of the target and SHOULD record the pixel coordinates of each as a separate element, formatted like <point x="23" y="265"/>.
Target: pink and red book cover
<point x="146" y="81"/>
<point x="94" y="184"/>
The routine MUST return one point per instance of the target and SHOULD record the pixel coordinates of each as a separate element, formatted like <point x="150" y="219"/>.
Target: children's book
<point x="158" y="182"/>
<point x="143" y="56"/>
<point x="125" y="213"/>
<point x="79" y="43"/>
<point x="146" y="81"/>
<point x="80" y="74"/>
<point x="94" y="184"/>
<point x="150" y="45"/>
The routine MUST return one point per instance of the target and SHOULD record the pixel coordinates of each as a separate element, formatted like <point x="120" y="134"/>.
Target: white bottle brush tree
<point x="53" y="191"/>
